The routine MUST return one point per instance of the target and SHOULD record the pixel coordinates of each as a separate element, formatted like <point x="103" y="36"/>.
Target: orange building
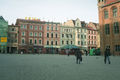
<point x="109" y="22"/>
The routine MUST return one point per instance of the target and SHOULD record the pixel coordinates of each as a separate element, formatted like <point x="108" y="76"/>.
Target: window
<point x="23" y="41"/>
<point x="51" y="42"/>
<point x="114" y="12"/>
<point x="56" y="28"/>
<point x="47" y="28"/>
<point x="94" y="37"/>
<point x="47" y="42"/>
<point x="71" y="42"/>
<point x="85" y="43"/>
<point x="55" y="42"/>
<point x="116" y="27"/>
<point x="81" y="36"/>
<point x="107" y="29"/>
<point x="21" y="26"/>
<point x="25" y="27"/>
<point x="51" y="28"/>
<point x="40" y="27"/>
<point x="67" y="42"/>
<point x="35" y="27"/>
<point x="13" y="29"/>
<point x="40" y="42"/>
<point x="85" y="36"/>
<point x="30" y="41"/>
<point x="78" y="36"/>
<point x="40" y="34"/>
<point x="62" y="42"/>
<point x="47" y="35"/>
<point x="105" y="14"/>
<point x="89" y="32"/>
<point x="35" y="41"/>
<point x="89" y="37"/>
<point x="31" y="27"/>
<point x="35" y="33"/>
<point x="51" y="35"/>
<point x="62" y="35"/>
<point x="23" y="33"/>
<point x="56" y="35"/>
<point x="31" y="33"/>
<point x="71" y="35"/>
<point x="78" y="42"/>
<point x="81" y="42"/>
<point x="117" y="48"/>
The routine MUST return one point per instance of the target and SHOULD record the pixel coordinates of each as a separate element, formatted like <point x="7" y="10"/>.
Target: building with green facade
<point x="3" y="35"/>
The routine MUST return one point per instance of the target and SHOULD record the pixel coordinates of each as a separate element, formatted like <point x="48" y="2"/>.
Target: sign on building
<point x="3" y="39"/>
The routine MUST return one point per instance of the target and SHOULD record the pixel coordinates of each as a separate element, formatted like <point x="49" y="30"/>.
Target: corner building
<point x="109" y="22"/>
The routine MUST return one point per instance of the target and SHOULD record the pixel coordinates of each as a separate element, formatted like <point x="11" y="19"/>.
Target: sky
<point x="49" y="10"/>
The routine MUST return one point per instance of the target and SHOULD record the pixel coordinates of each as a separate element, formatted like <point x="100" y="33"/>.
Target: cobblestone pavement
<point x="57" y="67"/>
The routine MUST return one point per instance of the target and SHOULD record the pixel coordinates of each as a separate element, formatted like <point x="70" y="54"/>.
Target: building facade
<point x="109" y="21"/>
<point x="81" y="34"/>
<point x="3" y="35"/>
<point x="93" y="36"/>
<point x="12" y="46"/>
<point x="51" y="37"/>
<point x="31" y="38"/>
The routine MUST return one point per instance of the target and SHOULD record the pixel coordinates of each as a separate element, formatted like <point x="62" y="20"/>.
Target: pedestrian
<point x="86" y="53"/>
<point x="67" y="52"/>
<point x="107" y="54"/>
<point x="78" y="55"/>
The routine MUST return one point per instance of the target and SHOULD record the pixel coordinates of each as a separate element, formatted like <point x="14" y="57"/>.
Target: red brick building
<point x="109" y="21"/>
<point x="31" y="38"/>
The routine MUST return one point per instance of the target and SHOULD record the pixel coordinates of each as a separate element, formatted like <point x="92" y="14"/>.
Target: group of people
<point x="78" y="54"/>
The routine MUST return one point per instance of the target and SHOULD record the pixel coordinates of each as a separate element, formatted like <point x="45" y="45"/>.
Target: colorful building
<point x="3" y="35"/>
<point x="51" y="37"/>
<point x="12" y="46"/>
<point x="109" y="22"/>
<point x="80" y="34"/>
<point x="93" y="36"/>
<point x="74" y="32"/>
<point x="31" y="38"/>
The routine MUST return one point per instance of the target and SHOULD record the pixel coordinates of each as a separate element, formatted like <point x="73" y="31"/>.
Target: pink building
<point x="92" y="35"/>
<point x="51" y="37"/>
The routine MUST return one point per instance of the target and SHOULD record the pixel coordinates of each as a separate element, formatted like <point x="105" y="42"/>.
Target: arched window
<point x="114" y="10"/>
<point x="105" y="14"/>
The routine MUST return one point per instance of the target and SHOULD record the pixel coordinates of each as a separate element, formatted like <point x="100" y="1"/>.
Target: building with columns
<point x="109" y="22"/>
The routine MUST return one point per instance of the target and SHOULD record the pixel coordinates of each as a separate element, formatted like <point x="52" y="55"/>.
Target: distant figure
<point x="86" y="53"/>
<point x="78" y="55"/>
<point x="21" y="52"/>
<point x="67" y="52"/>
<point x="107" y="54"/>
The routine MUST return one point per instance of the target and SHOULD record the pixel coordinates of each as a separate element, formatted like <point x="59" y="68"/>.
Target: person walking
<point x="78" y="55"/>
<point x="107" y="54"/>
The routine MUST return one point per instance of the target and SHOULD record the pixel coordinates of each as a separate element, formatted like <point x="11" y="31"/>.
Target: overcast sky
<point x="49" y="10"/>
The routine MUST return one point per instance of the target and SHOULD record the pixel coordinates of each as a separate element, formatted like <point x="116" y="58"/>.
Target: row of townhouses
<point x="36" y="36"/>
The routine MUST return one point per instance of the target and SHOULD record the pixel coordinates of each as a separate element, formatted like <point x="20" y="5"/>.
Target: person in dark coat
<point x="107" y="54"/>
<point x="78" y="55"/>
